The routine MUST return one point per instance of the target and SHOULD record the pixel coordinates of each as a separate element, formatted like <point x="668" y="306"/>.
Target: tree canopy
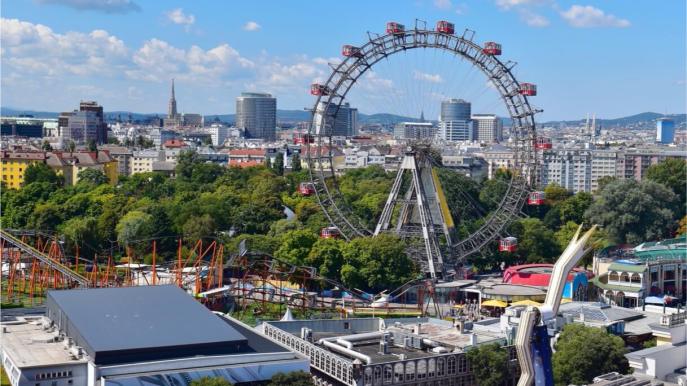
<point x="583" y="353"/>
<point x="294" y="378"/>
<point x="210" y="381"/>
<point x="489" y="363"/>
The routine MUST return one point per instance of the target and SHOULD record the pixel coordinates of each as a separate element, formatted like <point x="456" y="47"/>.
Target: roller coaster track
<point x="10" y="240"/>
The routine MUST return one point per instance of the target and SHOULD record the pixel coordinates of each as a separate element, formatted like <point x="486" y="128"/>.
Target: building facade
<point x="455" y="123"/>
<point x="489" y="128"/>
<point x="665" y="131"/>
<point x="256" y="115"/>
<point x="414" y="130"/>
<point x="101" y="126"/>
<point x="14" y="164"/>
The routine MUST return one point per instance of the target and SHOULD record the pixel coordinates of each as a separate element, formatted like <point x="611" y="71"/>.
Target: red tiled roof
<point x="245" y="164"/>
<point x="31" y="155"/>
<point x="247" y="152"/>
<point x="174" y="143"/>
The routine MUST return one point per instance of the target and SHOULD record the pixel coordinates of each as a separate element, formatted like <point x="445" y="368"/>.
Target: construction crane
<point x="532" y="340"/>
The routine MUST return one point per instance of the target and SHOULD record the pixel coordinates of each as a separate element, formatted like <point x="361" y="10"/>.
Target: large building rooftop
<point x="119" y="325"/>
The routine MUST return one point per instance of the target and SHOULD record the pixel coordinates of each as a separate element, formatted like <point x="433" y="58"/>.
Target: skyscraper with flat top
<point x="665" y="131"/>
<point x="256" y="115"/>
<point x="454" y="122"/>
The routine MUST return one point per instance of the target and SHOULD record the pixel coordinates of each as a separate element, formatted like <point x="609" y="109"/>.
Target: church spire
<point x="172" y="107"/>
<point x="422" y="116"/>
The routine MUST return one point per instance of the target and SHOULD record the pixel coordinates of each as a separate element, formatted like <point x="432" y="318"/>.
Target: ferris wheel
<point x="439" y="252"/>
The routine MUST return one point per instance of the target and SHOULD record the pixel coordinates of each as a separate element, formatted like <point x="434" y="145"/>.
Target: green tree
<point x="279" y="164"/>
<point x="210" y="381"/>
<point x="71" y="146"/>
<point x="555" y="193"/>
<point x="489" y="364"/>
<point x="296" y="163"/>
<point x="294" y="378"/>
<point x="583" y="353"/>
<point x="633" y="212"/>
<point x="91" y="145"/>
<point x="603" y="181"/>
<point x="113" y="141"/>
<point x="46" y="216"/>
<point x="573" y="208"/>
<point x="494" y="190"/>
<point x="79" y="231"/>
<point x="46" y="146"/>
<point x="40" y="172"/>
<point x="199" y="227"/>
<point x="536" y="243"/>
<point x="673" y="174"/>
<point x="295" y="246"/>
<point x="327" y="256"/>
<point x="134" y="226"/>
<point x="92" y="176"/>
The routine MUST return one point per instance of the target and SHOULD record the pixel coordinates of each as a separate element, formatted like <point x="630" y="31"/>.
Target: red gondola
<point x="535" y="198"/>
<point x="349" y="50"/>
<point x="319" y="89"/>
<point x="508" y="244"/>
<point x="528" y="89"/>
<point x="306" y="188"/>
<point x="543" y="143"/>
<point x="330" y="233"/>
<point x="445" y="27"/>
<point x="395" y="28"/>
<point x="492" y="48"/>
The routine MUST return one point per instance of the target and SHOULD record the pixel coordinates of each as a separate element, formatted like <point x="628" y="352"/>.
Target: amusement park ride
<point x="416" y="209"/>
<point x="416" y="203"/>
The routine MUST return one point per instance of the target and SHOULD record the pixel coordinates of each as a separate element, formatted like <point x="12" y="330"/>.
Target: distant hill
<point x="638" y="121"/>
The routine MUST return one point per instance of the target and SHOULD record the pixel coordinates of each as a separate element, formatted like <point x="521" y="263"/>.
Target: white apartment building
<point x="498" y="157"/>
<point x="142" y="160"/>
<point x="488" y="127"/>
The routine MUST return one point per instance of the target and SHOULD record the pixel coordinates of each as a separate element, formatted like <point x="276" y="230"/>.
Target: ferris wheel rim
<point x="346" y="74"/>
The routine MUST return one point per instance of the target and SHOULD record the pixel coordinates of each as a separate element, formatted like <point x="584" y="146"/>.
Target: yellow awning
<point x="526" y="302"/>
<point x="494" y="303"/>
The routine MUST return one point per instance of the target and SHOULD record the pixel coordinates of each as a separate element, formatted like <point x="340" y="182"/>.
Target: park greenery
<point x="211" y="202"/>
<point x="489" y="364"/>
<point x="294" y="378"/>
<point x="583" y="353"/>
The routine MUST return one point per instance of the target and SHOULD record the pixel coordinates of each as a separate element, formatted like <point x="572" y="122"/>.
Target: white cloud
<point x="461" y="9"/>
<point x="35" y="49"/>
<point x="107" y="6"/>
<point x="177" y="16"/>
<point x="443" y="4"/>
<point x="432" y="78"/>
<point x="158" y="61"/>
<point x="533" y="19"/>
<point x="508" y="4"/>
<point x="587" y="17"/>
<point x="252" y="26"/>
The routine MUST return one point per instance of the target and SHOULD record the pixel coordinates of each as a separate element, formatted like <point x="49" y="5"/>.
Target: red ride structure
<point x="395" y="28"/>
<point x="492" y="48"/>
<point x="536" y="198"/>
<point x="543" y="143"/>
<point x="445" y="27"/>
<point x="528" y="89"/>
<point x="330" y="233"/>
<point x="306" y="188"/>
<point x="319" y="89"/>
<point x="351" y="51"/>
<point x="508" y="244"/>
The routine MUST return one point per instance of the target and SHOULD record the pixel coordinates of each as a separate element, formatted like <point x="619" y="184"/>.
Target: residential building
<point x="14" y="164"/>
<point x="455" y="123"/>
<point x="498" y="157"/>
<point x="256" y="115"/>
<point x="123" y="156"/>
<point x="219" y="133"/>
<point x="246" y="157"/>
<point x="633" y="163"/>
<point x="665" y="131"/>
<point x="160" y="136"/>
<point x="414" y="130"/>
<point x="68" y="346"/>
<point x="489" y="128"/>
<point x="571" y="169"/>
<point x="142" y="160"/>
<point x="70" y="164"/>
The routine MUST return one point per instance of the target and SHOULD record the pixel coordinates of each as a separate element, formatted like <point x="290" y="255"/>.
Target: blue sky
<point x="609" y="57"/>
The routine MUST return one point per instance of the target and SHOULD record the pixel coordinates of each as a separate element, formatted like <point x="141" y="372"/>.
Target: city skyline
<point x="214" y="55"/>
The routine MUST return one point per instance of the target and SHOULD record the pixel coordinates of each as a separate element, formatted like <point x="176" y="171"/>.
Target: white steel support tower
<point x="419" y="212"/>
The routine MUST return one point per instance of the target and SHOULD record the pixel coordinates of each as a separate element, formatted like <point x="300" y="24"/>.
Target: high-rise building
<point x="414" y="130"/>
<point x="101" y="126"/>
<point x="454" y="122"/>
<point x="82" y="127"/>
<point x="489" y="128"/>
<point x="256" y="115"/>
<point x="665" y="131"/>
<point x="341" y="123"/>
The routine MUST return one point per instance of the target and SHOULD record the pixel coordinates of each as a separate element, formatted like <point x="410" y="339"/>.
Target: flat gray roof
<point x="126" y="324"/>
